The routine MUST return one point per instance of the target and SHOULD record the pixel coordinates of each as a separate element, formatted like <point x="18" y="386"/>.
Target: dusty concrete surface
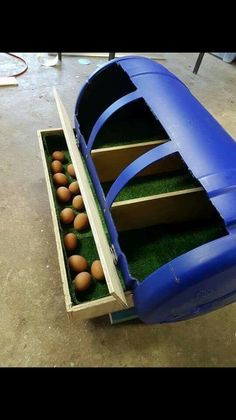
<point x="34" y="329"/>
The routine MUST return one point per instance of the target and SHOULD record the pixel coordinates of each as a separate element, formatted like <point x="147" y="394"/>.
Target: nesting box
<point x="163" y="175"/>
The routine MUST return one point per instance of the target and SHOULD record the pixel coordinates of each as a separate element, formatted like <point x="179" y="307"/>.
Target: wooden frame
<point x="110" y="161"/>
<point x="154" y="56"/>
<point x="66" y="291"/>
<point x="103" y="248"/>
<point x="89" y="309"/>
<point x="178" y="206"/>
<point x="8" y="81"/>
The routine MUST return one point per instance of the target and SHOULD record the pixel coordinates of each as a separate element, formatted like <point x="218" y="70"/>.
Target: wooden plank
<point x="111" y="275"/>
<point x="173" y="207"/>
<point x="66" y="291"/>
<point x="99" y="307"/>
<point x="110" y="161"/>
<point x="128" y="146"/>
<point x="85" y="310"/>
<point x="52" y="131"/>
<point x="154" y="56"/>
<point x="8" y="81"/>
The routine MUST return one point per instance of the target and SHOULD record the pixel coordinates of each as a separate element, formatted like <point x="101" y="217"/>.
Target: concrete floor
<point x="34" y="329"/>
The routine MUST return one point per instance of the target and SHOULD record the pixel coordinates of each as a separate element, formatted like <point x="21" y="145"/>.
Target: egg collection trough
<point x="162" y="175"/>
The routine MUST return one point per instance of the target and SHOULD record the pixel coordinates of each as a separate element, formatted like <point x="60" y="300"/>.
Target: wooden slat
<point x="68" y="302"/>
<point x="89" y="309"/>
<point x="8" y="81"/>
<point x="111" y="275"/>
<point x="173" y="207"/>
<point x="154" y="56"/>
<point x="99" y="307"/>
<point x="51" y="131"/>
<point x="110" y="161"/>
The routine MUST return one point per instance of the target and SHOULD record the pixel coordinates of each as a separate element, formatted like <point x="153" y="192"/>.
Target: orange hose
<point x="19" y="58"/>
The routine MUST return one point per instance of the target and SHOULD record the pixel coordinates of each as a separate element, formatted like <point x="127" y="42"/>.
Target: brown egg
<point x="63" y="194"/>
<point x="97" y="270"/>
<point x="82" y="281"/>
<point x="67" y="216"/>
<point x="70" y="241"/>
<point x="56" y="166"/>
<point x="77" y="263"/>
<point x="74" y="187"/>
<point x="81" y="221"/>
<point x="60" y="179"/>
<point x="70" y="170"/>
<point x="77" y="202"/>
<point x="58" y="156"/>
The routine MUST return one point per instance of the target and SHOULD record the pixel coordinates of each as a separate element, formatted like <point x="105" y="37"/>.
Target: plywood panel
<point x="171" y="207"/>
<point x="99" y="307"/>
<point x="8" y="81"/>
<point x="110" y="161"/>
<point x="68" y="302"/>
<point x="111" y="275"/>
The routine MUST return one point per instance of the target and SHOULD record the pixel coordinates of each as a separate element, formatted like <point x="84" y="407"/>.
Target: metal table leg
<point x="111" y="56"/>
<point x="198" y="63"/>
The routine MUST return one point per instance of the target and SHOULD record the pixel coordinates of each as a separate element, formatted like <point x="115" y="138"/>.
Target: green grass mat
<point x="155" y="184"/>
<point x="145" y="249"/>
<point x="86" y="245"/>
<point x="156" y="245"/>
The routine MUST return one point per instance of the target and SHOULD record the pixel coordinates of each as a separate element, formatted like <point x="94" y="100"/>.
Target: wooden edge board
<point x="8" y="81"/>
<point x="127" y="146"/>
<point x="155" y="197"/>
<point x="58" y="130"/>
<point x="117" y="55"/>
<point x="111" y="161"/>
<point x="174" y="207"/>
<point x="148" y="55"/>
<point x="66" y="291"/>
<point x="111" y="275"/>
<point x="99" y="307"/>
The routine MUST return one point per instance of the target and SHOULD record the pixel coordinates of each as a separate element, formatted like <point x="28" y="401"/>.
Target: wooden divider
<point x="110" y="161"/>
<point x="173" y="207"/>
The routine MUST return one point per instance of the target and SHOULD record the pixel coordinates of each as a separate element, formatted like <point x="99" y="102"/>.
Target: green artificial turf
<point x="86" y="245"/>
<point x="155" y="184"/>
<point x="148" y="249"/>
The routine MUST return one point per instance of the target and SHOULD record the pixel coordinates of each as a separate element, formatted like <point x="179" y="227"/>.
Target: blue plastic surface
<point x="203" y="279"/>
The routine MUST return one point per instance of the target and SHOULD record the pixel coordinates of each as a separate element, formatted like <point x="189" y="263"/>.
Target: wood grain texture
<point x="173" y="207"/>
<point x="8" y="81"/>
<point x="154" y="56"/>
<point x="99" y="307"/>
<point x="111" y="275"/>
<point x="64" y="279"/>
<point x="85" y="310"/>
<point x="110" y="161"/>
